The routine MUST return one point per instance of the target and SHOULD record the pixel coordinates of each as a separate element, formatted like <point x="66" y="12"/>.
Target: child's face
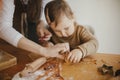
<point x="64" y="27"/>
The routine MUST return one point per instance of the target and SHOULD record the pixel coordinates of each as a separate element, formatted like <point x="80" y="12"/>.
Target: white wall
<point x="104" y="17"/>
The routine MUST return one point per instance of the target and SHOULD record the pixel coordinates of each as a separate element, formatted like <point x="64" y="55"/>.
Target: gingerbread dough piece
<point x="51" y="70"/>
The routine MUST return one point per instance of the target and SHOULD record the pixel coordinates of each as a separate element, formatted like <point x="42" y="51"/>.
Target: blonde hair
<point x="55" y="8"/>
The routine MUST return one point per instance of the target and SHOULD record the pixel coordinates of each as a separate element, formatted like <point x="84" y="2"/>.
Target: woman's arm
<point x="53" y="51"/>
<point x="7" y="32"/>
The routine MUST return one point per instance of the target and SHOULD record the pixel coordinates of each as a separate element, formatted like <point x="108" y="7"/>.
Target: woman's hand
<point x="74" y="56"/>
<point x="42" y="32"/>
<point x="55" y="50"/>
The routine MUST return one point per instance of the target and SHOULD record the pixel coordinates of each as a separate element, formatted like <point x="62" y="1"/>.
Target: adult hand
<point x="74" y="56"/>
<point x="42" y="32"/>
<point x="55" y="50"/>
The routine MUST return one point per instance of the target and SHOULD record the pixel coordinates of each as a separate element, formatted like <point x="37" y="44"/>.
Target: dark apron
<point x="26" y="18"/>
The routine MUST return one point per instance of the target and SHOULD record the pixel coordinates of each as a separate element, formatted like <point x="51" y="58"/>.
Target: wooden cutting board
<point x="6" y="60"/>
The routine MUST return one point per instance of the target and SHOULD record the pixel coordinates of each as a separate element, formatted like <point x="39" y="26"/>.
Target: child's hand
<point x="75" y="56"/>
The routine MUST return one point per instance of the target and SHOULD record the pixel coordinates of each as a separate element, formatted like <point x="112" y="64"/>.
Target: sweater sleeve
<point x="89" y="42"/>
<point x="7" y="32"/>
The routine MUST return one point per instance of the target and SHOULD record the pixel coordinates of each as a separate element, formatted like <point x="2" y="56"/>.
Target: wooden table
<point x="85" y="70"/>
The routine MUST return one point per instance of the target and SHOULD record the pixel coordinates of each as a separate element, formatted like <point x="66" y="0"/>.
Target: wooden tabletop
<point x="87" y="69"/>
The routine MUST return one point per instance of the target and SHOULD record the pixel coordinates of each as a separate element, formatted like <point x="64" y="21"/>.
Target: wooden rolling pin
<point x="32" y="67"/>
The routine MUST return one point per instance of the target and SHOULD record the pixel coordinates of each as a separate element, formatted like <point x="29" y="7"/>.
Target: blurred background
<point x="104" y="17"/>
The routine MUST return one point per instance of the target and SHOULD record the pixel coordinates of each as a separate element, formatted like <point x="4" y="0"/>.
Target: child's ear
<point x="47" y="17"/>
